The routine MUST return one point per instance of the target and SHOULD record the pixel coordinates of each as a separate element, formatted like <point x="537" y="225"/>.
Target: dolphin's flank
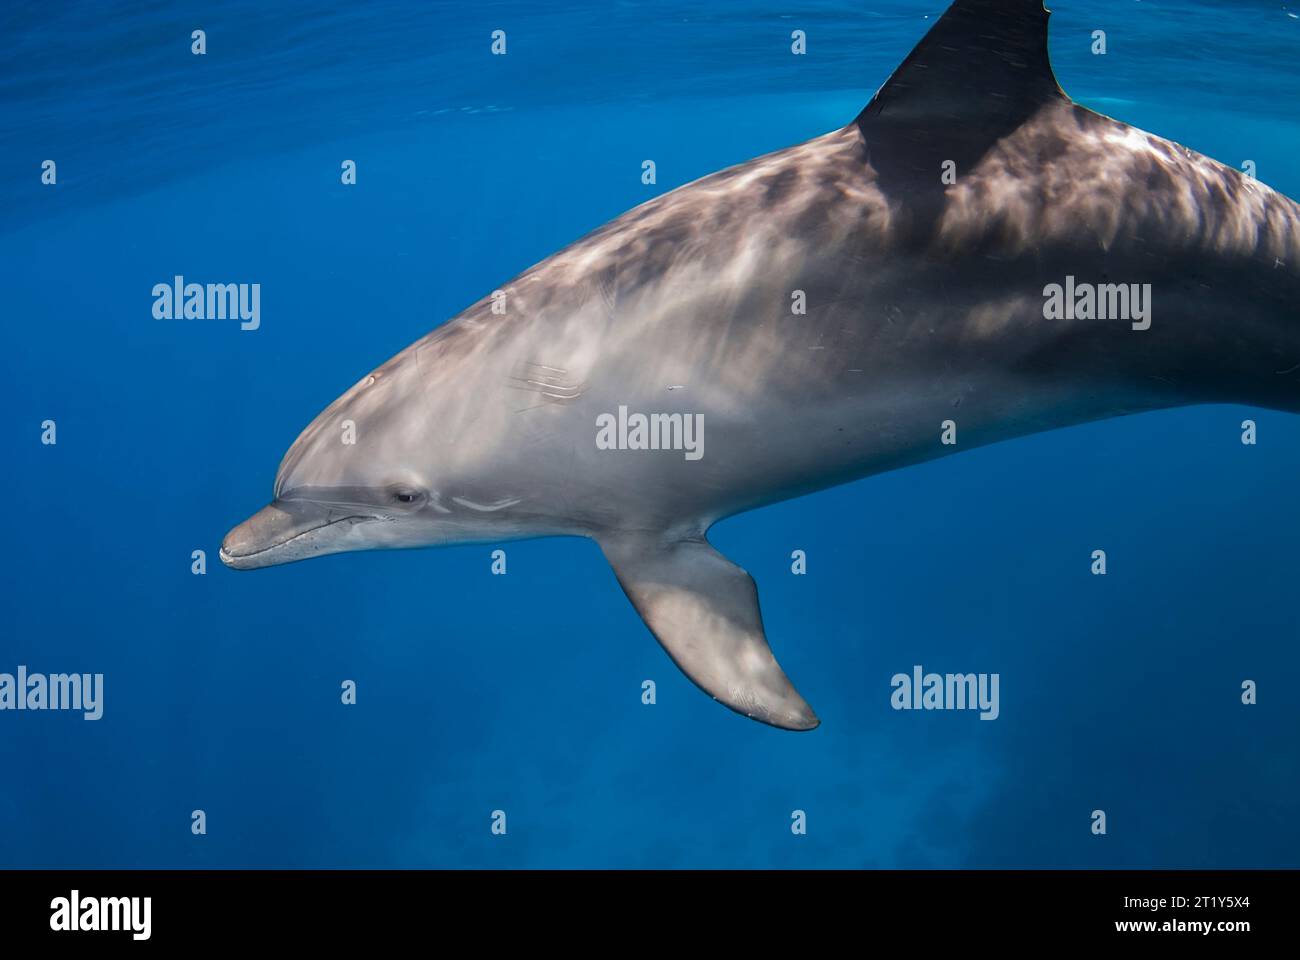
<point x="973" y="247"/>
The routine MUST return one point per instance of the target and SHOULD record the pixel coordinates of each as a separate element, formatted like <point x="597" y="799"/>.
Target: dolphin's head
<point x="370" y="471"/>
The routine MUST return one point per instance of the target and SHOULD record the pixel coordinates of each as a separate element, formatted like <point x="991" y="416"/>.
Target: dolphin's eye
<point x="406" y="495"/>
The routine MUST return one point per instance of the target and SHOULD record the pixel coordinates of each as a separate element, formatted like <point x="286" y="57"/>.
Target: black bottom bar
<point x="334" y="908"/>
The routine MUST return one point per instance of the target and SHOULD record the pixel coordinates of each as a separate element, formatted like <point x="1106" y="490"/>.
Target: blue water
<point x="522" y="693"/>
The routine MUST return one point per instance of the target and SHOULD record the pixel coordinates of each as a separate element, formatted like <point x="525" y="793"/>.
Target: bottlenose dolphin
<point x="973" y="248"/>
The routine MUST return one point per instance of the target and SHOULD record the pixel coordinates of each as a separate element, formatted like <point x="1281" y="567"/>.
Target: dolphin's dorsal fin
<point x="703" y="609"/>
<point x="979" y="74"/>
<point x="983" y="59"/>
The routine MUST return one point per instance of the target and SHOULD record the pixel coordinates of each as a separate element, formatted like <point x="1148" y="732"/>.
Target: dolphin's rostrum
<point x="922" y="239"/>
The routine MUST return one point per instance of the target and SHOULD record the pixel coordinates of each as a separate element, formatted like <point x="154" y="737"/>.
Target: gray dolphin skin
<point x="974" y="247"/>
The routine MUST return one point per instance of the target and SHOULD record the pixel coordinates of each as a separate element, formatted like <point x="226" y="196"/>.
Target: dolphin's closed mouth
<point x="265" y="538"/>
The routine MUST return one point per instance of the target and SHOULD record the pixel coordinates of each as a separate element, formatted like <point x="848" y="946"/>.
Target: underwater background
<point x="522" y="692"/>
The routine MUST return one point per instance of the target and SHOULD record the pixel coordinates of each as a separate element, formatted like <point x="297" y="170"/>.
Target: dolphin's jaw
<point x="275" y="536"/>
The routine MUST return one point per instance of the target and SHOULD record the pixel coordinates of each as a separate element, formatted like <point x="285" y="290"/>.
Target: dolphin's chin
<point x="289" y="530"/>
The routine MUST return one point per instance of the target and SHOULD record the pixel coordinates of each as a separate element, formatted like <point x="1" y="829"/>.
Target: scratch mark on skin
<point x="488" y="507"/>
<point x="609" y="295"/>
<point x="573" y="394"/>
<point x="548" y="381"/>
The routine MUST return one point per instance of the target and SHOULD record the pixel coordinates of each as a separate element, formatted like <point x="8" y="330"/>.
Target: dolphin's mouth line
<point x="297" y="536"/>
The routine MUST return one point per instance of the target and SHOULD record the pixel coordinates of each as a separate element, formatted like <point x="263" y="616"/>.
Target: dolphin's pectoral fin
<point x="703" y="610"/>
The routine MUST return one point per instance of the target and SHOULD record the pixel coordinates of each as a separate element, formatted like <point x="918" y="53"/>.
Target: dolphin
<point x="974" y="258"/>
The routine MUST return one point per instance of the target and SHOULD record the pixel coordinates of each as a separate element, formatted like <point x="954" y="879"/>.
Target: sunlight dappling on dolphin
<point x="922" y="239"/>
